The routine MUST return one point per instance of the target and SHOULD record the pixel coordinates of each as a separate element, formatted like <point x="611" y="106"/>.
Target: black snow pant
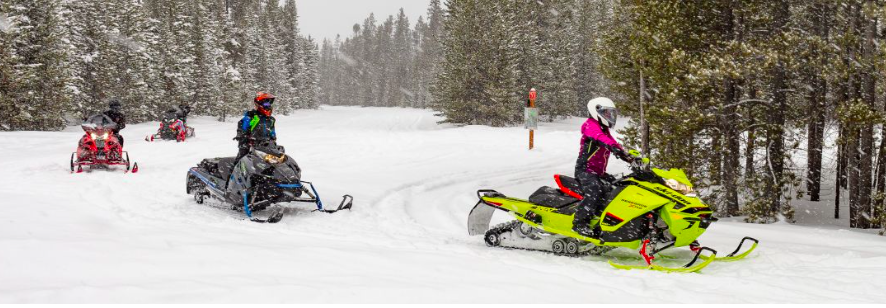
<point x="119" y="138"/>
<point x="592" y="193"/>
<point x="241" y="153"/>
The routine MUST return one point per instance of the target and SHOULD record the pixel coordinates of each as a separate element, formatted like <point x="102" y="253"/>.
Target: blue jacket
<point x="255" y="126"/>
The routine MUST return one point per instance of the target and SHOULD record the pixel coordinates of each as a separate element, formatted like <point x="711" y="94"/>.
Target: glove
<point x="621" y="154"/>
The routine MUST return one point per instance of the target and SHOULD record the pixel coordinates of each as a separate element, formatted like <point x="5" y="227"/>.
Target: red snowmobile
<point x="99" y="146"/>
<point x="172" y="127"/>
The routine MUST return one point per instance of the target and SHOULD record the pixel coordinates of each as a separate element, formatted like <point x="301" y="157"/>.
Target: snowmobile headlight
<point x="275" y="159"/>
<point x="93" y="135"/>
<point x="679" y="187"/>
<point x="105" y="136"/>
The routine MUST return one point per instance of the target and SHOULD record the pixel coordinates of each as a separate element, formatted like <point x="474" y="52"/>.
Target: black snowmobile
<point x="261" y="180"/>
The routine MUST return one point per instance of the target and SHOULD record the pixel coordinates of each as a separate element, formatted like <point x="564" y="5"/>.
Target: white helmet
<point x="603" y="110"/>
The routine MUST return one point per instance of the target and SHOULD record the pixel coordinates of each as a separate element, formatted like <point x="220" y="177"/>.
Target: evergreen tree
<point x="37" y="59"/>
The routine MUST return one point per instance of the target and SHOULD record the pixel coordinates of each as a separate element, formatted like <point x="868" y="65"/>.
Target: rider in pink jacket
<point x="590" y="168"/>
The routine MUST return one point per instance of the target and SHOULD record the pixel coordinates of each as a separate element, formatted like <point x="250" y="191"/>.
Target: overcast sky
<point x="326" y="18"/>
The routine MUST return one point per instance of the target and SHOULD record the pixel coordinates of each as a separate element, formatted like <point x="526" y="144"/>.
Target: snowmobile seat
<point x="218" y="167"/>
<point x="551" y="197"/>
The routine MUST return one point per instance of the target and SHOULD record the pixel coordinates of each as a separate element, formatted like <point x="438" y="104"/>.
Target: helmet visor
<point x="266" y="103"/>
<point x="609" y="114"/>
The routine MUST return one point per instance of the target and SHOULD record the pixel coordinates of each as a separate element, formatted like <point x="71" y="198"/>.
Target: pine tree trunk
<point x="716" y="168"/>
<point x="731" y="149"/>
<point x="750" y="147"/>
<point x="775" y="131"/>
<point x="855" y="210"/>
<point x="817" y="100"/>
<point x="867" y="133"/>
<point x="728" y="127"/>
<point x="880" y="179"/>
<point x="841" y="171"/>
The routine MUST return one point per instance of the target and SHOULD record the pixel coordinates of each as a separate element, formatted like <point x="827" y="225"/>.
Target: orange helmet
<point x="264" y="103"/>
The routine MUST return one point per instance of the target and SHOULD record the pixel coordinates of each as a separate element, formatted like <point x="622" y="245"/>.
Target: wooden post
<point x="532" y="96"/>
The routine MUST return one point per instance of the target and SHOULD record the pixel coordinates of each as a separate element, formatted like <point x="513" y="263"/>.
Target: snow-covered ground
<point x="111" y="237"/>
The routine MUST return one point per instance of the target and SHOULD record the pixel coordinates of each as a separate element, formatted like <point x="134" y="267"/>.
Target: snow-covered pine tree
<point x="294" y="53"/>
<point x="399" y="87"/>
<point x="310" y="75"/>
<point x="38" y="65"/>
<point x="477" y="77"/>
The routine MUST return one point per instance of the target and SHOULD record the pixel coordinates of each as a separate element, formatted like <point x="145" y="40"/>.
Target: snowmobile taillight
<point x="493" y="203"/>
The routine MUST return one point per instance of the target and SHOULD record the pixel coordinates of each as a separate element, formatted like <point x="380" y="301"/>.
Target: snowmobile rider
<point x="257" y="125"/>
<point x="590" y="168"/>
<point x="118" y="117"/>
<point x="182" y="111"/>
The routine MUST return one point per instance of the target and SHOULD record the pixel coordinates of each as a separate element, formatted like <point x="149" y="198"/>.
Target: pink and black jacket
<point x="596" y="145"/>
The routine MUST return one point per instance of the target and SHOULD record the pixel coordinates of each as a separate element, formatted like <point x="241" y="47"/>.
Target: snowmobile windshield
<point x="169" y="116"/>
<point x="99" y="121"/>
<point x="609" y="114"/>
<point x="270" y="147"/>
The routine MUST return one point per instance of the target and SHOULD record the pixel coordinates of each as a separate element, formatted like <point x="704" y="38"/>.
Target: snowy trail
<point x="105" y="236"/>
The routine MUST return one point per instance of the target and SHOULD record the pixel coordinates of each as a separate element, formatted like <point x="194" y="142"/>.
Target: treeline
<point x="387" y="63"/>
<point x="473" y="61"/>
<point x="739" y="92"/>
<point x="63" y="60"/>
<point x="496" y="51"/>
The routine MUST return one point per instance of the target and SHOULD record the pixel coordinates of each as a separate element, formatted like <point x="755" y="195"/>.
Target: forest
<point x="61" y="61"/>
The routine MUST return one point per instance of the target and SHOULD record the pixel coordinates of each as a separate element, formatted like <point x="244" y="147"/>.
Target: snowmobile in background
<point x="172" y="127"/>
<point x="650" y="209"/>
<point x="99" y="146"/>
<point x="260" y="181"/>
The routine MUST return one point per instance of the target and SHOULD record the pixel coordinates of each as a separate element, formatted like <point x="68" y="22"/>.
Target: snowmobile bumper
<point x="77" y="164"/>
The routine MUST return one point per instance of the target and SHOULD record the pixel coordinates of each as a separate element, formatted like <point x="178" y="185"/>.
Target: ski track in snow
<point x="108" y="237"/>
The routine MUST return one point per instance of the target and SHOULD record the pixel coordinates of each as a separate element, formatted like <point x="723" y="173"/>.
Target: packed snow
<point x="108" y="237"/>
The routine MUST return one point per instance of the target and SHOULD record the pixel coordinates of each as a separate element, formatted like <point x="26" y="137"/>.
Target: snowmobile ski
<point x="275" y="216"/>
<point x="734" y="256"/>
<point x="688" y="268"/>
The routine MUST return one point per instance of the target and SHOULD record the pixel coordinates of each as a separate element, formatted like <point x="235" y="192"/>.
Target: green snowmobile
<point x="649" y="209"/>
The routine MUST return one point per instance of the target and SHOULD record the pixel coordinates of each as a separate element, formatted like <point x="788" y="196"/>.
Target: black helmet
<point x="114" y="105"/>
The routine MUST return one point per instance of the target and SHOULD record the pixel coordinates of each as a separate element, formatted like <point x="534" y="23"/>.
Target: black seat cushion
<point x="218" y="167"/>
<point x="551" y="197"/>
